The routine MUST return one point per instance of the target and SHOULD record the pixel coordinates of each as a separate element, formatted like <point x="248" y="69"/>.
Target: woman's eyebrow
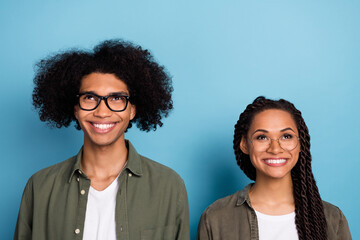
<point x="260" y="130"/>
<point x="266" y="131"/>
<point x="285" y="129"/>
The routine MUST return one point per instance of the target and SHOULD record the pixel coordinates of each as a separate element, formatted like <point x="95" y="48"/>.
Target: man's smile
<point x="103" y="127"/>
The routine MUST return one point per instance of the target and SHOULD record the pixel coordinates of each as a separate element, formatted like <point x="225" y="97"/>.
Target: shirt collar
<point x="133" y="161"/>
<point x="243" y="196"/>
<point x="76" y="166"/>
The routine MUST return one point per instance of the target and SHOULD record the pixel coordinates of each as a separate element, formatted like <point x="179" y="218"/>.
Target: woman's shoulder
<point x="223" y="203"/>
<point x="336" y="221"/>
<point x="227" y="204"/>
<point x="225" y="217"/>
<point x="331" y="211"/>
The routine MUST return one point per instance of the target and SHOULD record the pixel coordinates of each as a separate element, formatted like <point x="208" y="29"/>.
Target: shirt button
<point x="130" y="174"/>
<point x="121" y="229"/>
<point x="77" y="231"/>
<point x="80" y="171"/>
<point x="78" y="179"/>
<point x="82" y="192"/>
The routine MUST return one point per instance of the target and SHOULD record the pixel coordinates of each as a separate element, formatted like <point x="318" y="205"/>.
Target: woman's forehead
<point x="273" y="120"/>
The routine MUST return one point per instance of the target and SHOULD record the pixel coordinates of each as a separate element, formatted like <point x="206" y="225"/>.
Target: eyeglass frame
<point x="105" y="98"/>
<point x="278" y="140"/>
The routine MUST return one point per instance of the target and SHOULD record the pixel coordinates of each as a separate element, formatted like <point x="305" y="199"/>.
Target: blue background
<point x="221" y="54"/>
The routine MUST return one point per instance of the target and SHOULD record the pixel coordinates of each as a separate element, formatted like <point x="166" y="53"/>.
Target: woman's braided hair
<point x="310" y="218"/>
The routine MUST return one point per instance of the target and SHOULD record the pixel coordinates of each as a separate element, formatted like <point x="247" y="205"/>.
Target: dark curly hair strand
<point x="58" y="79"/>
<point x="310" y="218"/>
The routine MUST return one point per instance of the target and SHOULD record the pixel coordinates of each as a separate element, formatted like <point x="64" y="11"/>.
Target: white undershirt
<point x="277" y="227"/>
<point x="100" y="213"/>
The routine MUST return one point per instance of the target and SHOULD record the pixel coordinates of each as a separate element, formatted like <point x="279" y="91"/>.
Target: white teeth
<point x="103" y="126"/>
<point x="275" y="161"/>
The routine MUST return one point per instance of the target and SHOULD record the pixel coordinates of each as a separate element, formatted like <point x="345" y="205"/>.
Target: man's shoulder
<point x="60" y="169"/>
<point x="151" y="167"/>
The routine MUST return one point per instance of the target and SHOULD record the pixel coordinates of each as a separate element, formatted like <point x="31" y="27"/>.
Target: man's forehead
<point x="103" y="83"/>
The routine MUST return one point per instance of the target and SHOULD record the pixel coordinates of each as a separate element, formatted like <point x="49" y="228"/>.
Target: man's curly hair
<point x="58" y="79"/>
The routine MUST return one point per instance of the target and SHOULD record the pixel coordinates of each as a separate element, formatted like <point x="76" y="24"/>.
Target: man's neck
<point x="102" y="163"/>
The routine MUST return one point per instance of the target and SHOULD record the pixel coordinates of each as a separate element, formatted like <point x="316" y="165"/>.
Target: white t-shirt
<point x="277" y="227"/>
<point x="100" y="213"/>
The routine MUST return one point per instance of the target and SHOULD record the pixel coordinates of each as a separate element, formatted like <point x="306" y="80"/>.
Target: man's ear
<point x="132" y="111"/>
<point x="244" y="145"/>
<point x="76" y="110"/>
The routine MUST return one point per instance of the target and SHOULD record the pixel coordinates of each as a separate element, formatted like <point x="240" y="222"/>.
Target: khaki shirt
<point x="232" y="218"/>
<point x="151" y="202"/>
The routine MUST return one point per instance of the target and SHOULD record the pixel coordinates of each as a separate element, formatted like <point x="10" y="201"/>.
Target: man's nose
<point x="102" y="110"/>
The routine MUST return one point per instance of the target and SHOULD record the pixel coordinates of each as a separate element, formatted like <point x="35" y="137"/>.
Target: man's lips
<point x="275" y="162"/>
<point x="103" y="127"/>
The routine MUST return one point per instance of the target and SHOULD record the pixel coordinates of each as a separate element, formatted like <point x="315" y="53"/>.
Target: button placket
<point x="82" y="191"/>
<point x="121" y="205"/>
<point x="83" y="187"/>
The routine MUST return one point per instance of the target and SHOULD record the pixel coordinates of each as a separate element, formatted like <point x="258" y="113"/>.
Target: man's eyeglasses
<point x="261" y="142"/>
<point x="115" y="102"/>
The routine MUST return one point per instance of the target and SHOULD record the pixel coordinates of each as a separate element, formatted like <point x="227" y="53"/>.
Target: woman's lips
<point x="275" y="162"/>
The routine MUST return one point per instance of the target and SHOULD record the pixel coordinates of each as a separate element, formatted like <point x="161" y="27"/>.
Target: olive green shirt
<point x="151" y="202"/>
<point x="232" y="218"/>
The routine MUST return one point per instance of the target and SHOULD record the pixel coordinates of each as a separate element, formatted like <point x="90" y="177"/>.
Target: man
<point x="108" y="190"/>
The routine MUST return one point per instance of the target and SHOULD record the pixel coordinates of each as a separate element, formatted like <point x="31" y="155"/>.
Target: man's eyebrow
<point x="112" y="93"/>
<point x="119" y="93"/>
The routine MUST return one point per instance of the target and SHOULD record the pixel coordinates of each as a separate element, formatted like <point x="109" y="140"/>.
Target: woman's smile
<point x="275" y="162"/>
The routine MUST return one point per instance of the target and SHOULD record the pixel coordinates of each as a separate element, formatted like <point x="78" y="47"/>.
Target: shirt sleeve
<point x="183" y="222"/>
<point x="23" y="230"/>
<point x="202" y="232"/>
<point x="344" y="231"/>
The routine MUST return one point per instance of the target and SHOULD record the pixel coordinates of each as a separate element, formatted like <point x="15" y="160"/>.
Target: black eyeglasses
<point x="115" y="102"/>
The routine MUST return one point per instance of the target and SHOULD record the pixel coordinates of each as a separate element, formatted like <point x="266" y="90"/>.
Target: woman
<point x="272" y="147"/>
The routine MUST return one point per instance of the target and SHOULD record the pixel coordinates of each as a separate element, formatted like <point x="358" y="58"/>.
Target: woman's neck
<point x="273" y="196"/>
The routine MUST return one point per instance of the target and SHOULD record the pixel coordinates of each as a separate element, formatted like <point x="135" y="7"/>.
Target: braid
<point x="309" y="213"/>
<point x="310" y="218"/>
